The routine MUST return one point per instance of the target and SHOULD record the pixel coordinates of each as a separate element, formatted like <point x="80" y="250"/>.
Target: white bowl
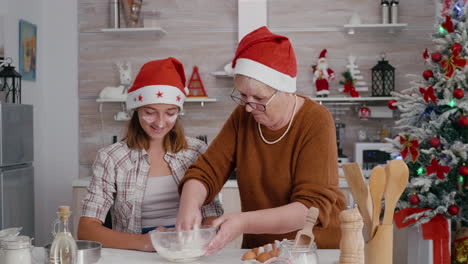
<point x="182" y="246"/>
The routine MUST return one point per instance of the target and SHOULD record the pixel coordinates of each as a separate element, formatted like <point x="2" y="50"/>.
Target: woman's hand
<point x="192" y="198"/>
<point x="231" y="226"/>
<point x="146" y="244"/>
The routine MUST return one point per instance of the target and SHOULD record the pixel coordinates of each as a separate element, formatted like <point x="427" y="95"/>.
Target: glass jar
<point x="15" y="250"/>
<point x="298" y="255"/>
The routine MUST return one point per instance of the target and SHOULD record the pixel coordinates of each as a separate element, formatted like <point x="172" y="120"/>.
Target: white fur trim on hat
<point x="269" y="76"/>
<point x="155" y="94"/>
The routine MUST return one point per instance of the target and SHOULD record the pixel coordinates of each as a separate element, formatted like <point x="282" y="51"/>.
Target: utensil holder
<point x="379" y="250"/>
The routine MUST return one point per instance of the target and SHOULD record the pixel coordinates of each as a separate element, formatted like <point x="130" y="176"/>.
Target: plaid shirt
<point x="119" y="181"/>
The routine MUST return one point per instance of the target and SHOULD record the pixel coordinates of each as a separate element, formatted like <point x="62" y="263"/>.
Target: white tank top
<point x="160" y="202"/>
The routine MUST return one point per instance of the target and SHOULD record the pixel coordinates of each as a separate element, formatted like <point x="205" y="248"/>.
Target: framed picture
<point x="27" y="50"/>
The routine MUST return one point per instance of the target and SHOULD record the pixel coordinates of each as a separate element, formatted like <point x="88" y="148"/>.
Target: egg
<point x="263" y="257"/>
<point x="249" y="255"/>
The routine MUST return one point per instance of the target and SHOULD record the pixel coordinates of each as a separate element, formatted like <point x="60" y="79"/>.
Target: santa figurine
<point x="322" y="75"/>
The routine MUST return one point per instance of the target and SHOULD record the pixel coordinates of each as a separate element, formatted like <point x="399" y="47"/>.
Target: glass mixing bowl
<point x="182" y="246"/>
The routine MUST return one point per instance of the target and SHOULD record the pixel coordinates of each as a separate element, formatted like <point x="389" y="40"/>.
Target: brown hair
<point x="136" y="137"/>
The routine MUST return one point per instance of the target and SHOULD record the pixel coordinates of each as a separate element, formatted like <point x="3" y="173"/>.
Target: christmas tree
<point x="433" y="126"/>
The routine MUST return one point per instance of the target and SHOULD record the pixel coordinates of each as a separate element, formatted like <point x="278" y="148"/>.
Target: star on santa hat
<point x="178" y="98"/>
<point x="159" y="94"/>
<point x="140" y="98"/>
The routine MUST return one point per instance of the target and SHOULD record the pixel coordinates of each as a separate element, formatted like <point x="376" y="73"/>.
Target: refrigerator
<point x="16" y="167"/>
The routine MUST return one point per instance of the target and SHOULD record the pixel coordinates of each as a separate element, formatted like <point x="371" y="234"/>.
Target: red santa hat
<point x="268" y="58"/>
<point x="159" y="81"/>
<point x="323" y="53"/>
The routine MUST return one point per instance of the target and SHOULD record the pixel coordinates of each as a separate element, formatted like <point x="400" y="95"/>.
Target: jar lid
<point x="13" y="231"/>
<point x="15" y="242"/>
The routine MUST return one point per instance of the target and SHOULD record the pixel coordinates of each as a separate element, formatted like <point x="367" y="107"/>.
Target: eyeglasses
<point x="257" y="106"/>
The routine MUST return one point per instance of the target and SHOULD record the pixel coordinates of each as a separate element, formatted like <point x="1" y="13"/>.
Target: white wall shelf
<point x="128" y="30"/>
<point x="201" y="100"/>
<point x="350" y="99"/>
<point x="221" y="74"/>
<point x="391" y="28"/>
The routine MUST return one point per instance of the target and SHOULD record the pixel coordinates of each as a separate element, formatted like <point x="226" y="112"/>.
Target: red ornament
<point x="453" y="209"/>
<point x="436" y="56"/>
<point x="428" y="74"/>
<point x="391" y="104"/>
<point x="364" y="113"/>
<point x="458" y="93"/>
<point x="414" y="199"/>
<point x="463" y="121"/>
<point x="434" y="142"/>
<point x="463" y="170"/>
<point x="354" y="93"/>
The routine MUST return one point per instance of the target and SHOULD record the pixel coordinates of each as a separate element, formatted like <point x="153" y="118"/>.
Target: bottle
<point x="385" y="11"/>
<point x="63" y="249"/>
<point x="298" y="255"/>
<point x="394" y="11"/>
<point x="115" y="13"/>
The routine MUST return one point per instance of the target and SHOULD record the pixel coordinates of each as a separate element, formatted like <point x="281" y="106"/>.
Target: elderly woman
<point x="283" y="147"/>
<point x="136" y="179"/>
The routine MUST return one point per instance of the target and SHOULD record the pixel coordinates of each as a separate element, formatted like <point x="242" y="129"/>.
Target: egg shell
<point x="249" y="255"/>
<point x="263" y="257"/>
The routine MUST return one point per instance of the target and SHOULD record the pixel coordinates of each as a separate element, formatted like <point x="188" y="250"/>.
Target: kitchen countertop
<point x="225" y="256"/>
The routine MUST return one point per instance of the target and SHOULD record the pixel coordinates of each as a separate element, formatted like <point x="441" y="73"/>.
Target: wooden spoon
<point x="397" y="179"/>
<point x="377" y="182"/>
<point x="360" y="192"/>
<point x="305" y="237"/>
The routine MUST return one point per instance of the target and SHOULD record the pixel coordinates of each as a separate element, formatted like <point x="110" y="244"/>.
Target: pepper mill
<point x="352" y="241"/>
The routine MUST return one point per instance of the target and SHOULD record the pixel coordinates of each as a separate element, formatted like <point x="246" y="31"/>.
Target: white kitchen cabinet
<point x="231" y="203"/>
<point x="79" y="193"/>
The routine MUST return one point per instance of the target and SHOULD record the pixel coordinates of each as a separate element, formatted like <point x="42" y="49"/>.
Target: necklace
<point x="285" y="132"/>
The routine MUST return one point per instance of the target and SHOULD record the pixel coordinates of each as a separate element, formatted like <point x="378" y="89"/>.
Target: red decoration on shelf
<point x="458" y="93"/>
<point x="414" y="199"/>
<point x="463" y="121"/>
<point x="434" y="142"/>
<point x="196" y="88"/>
<point x="436" y="56"/>
<point x="428" y="74"/>
<point x="428" y="94"/>
<point x="453" y="210"/>
<point x="435" y="167"/>
<point x="463" y="170"/>
<point x="409" y="146"/>
<point x="391" y="104"/>
<point x="364" y="113"/>
<point x="448" y="24"/>
<point x="454" y="61"/>
<point x="435" y="230"/>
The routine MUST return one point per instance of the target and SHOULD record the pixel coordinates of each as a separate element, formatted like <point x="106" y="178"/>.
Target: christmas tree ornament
<point x="448" y="24"/>
<point x="463" y="121"/>
<point x="322" y="75"/>
<point x="383" y="78"/>
<point x="458" y="93"/>
<point x="391" y="104"/>
<point x="353" y="79"/>
<point x="434" y="142"/>
<point x="455" y="61"/>
<point x="436" y="168"/>
<point x="463" y="170"/>
<point x="364" y="112"/>
<point x="409" y="147"/>
<point x="453" y="210"/>
<point x="428" y="94"/>
<point x="427" y="74"/>
<point x="436" y="56"/>
<point x="414" y="199"/>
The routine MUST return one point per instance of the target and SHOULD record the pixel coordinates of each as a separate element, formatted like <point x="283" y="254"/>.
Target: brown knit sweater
<point x="302" y="167"/>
